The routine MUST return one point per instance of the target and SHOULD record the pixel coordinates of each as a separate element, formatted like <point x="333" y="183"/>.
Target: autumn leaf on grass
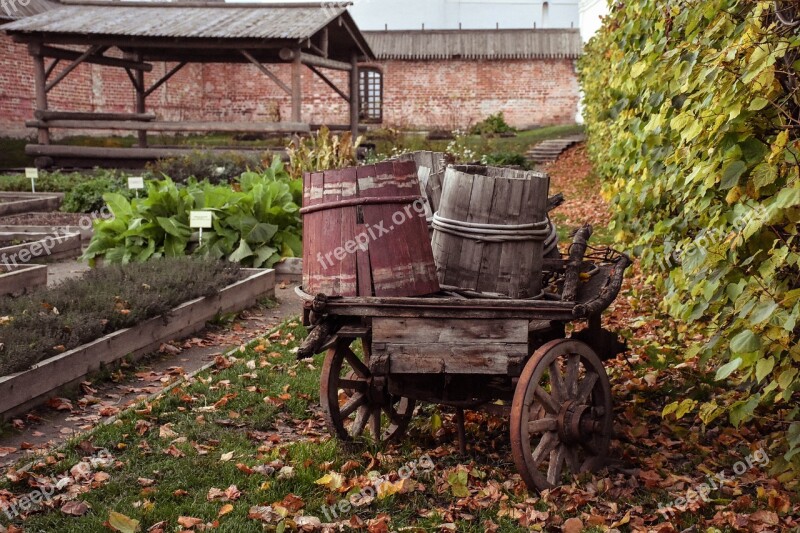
<point x="331" y="480"/>
<point x="226" y="509"/>
<point x="122" y="524"/>
<point x="293" y="503"/>
<point x="60" y="404"/>
<point x="189" y="521"/>
<point x="75" y="508"/>
<point x="230" y="494"/>
<point x="458" y="482"/>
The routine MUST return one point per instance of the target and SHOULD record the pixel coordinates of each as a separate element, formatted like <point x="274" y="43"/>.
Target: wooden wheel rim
<point x="529" y="404"/>
<point x="386" y="418"/>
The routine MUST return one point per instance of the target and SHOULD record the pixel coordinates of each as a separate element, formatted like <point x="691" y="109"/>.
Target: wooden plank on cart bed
<point x="454" y="346"/>
<point x="459" y="331"/>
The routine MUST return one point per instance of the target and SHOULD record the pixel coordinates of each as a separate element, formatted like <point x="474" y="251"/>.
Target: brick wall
<point x="432" y="94"/>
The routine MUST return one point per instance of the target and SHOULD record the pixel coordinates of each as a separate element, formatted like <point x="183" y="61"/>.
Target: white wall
<point x="472" y="14"/>
<point x="591" y="13"/>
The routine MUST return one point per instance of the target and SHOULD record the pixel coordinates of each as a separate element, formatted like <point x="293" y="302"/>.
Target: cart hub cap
<point x="575" y="423"/>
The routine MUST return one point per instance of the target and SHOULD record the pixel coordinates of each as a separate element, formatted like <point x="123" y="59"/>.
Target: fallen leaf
<point x="122" y="524"/>
<point x="75" y="508"/>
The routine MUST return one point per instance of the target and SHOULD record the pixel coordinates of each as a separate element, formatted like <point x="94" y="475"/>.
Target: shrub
<point x="492" y="125"/>
<point x="256" y="222"/>
<point x="322" y="151"/>
<point x="214" y="167"/>
<point x="506" y="159"/>
<point x="87" y="197"/>
<point x="47" y="182"/>
<point x="693" y="121"/>
<point x="51" y="321"/>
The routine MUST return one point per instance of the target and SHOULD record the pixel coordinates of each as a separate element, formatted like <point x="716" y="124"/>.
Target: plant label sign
<point x="136" y="183"/>
<point x="33" y="175"/>
<point x="201" y="219"/>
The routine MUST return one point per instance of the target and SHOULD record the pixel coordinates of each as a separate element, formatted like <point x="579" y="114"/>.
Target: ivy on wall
<point x="693" y="113"/>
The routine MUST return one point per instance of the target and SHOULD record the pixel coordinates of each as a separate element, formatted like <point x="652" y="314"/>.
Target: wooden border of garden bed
<point x="64" y="246"/>
<point x="86" y="234"/>
<point x="16" y="281"/>
<point x="26" y="202"/>
<point x="25" y="390"/>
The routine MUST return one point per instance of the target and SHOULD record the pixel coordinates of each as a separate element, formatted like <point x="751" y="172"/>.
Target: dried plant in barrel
<point x="490" y="230"/>
<point x="365" y="234"/>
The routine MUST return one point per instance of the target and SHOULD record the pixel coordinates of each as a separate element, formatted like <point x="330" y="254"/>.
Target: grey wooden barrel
<point x="489" y="231"/>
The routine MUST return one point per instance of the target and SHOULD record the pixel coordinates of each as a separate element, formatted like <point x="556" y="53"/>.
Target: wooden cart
<point x="386" y="354"/>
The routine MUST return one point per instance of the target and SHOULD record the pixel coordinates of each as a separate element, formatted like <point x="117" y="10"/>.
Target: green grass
<point x="481" y="145"/>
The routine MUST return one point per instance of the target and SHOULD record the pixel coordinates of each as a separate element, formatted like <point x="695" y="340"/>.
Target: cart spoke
<point x="547" y="401"/>
<point x="349" y="384"/>
<point x="586" y="387"/>
<point x="572" y="374"/>
<point x="543" y="425"/>
<point x="573" y="463"/>
<point x="354" y="403"/>
<point x="375" y="424"/>
<point x="546" y="445"/>
<point x="357" y="429"/>
<point x="554" y="468"/>
<point x="557" y="383"/>
<point x="393" y="415"/>
<point x="360" y="368"/>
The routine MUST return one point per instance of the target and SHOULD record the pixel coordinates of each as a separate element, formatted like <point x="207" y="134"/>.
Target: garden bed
<point x="52" y="375"/>
<point x="16" y="281"/>
<point x="12" y="203"/>
<point x="49" y="222"/>
<point x="21" y="248"/>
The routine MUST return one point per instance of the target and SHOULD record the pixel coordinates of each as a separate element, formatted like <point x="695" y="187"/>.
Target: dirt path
<point x="50" y="426"/>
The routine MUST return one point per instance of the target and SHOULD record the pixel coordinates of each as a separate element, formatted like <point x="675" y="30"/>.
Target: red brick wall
<point x="433" y="94"/>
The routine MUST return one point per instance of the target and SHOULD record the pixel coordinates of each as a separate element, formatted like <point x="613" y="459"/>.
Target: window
<point x="371" y="90"/>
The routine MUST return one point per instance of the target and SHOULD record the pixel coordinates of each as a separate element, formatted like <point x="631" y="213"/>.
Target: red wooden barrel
<point x="365" y="234"/>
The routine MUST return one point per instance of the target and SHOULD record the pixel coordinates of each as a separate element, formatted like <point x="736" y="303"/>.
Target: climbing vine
<point x="693" y="113"/>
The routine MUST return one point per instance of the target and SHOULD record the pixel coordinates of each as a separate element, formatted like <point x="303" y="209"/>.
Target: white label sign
<point x="135" y="183"/>
<point x="201" y="219"/>
<point x="32" y="173"/>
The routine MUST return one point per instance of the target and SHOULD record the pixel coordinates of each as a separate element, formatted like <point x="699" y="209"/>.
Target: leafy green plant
<point x="503" y="159"/>
<point x="214" y="167"/>
<point x="87" y="197"/>
<point x="47" y="182"/>
<point x="50" y="321"/>
<point x="492" y="125"/>
<point x="256" y="221"/>
<point x="693" y="112"/>
<point x="322" y="151"/>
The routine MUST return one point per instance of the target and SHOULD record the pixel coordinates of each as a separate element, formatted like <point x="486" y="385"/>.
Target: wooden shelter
<point x="132" y="35"/>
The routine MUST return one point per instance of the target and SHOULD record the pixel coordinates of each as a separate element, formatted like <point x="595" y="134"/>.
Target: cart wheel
<point x="561" y="414"/>
<point x="354" y="401"/>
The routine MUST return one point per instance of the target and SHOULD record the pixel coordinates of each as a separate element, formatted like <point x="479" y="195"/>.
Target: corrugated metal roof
<point x="476" y="44"/>
<point x="189" y="20"/>
<point x="13" y="9"/>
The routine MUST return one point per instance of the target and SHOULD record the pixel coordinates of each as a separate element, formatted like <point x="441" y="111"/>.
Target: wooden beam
<point x="141" y="102"/>
<point x="297" y="86"/>
<point x="164" y="79"/>
<point x="130" y="125"/>
<point x="77" y="115"/>
<point x="328" y="81"/>
<point x="288" y="54"/>
<point x="70" y="55"/>
<point x="72" y="66"/>
<point x="266" y="71"/>
<point x="51" y="68"/>
<point x="134" y="81"/>
<point x="355" y="95"/>
<point x="100" y="153"/>
<point x="40" y="87"/>
<point x="355" y="36"/>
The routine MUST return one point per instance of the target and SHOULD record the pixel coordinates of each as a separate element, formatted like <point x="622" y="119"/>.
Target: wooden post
<point x="141" y="97"/>
<point x="297" y="87"/>
<point x="40" y="85"/>
<point x="355" y="96"/>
